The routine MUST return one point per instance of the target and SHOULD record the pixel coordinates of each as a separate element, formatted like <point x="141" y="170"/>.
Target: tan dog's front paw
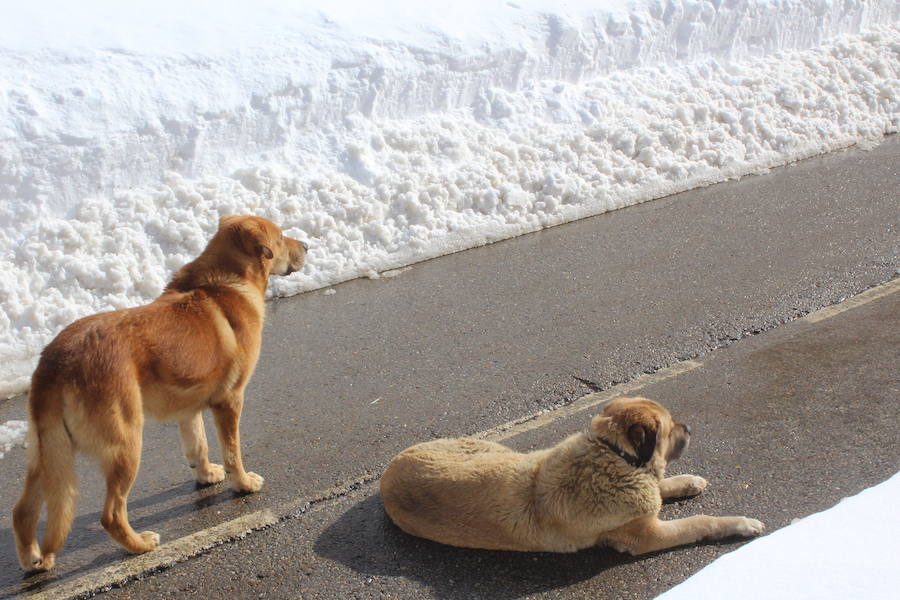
<point x="693" y="485"/>
<point x="682" y="486"/>
<point x="749" y="527"/>
<point x="213" y="474"/>
<point x="251" y="482"/>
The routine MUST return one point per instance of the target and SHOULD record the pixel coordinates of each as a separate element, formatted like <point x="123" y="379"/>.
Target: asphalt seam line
<point x="189" y="546"/>
<point x="165" y="555"/>
<point x="537" y="420"/>
<point x="879" y="291"/>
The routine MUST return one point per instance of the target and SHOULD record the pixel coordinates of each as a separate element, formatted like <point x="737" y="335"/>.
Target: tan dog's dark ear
<point x="643" y="438"/>
<point x="601" y="424"/>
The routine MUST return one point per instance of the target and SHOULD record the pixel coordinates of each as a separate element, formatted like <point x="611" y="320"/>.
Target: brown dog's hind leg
<point x="682" y="486"/>
<point x="50" y="478"/>
<point x="650" y="534"/>
<point x="25" y="519"/>
<point x="196" y="450"/>
<point x="120" y="465"/>
<point x="60" y="491"/>
<point x="228" y="416"/>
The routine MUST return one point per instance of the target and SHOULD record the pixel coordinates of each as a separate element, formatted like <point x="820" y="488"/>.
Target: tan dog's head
<point x="644" y="425"/>
<point x="262" y="240"/>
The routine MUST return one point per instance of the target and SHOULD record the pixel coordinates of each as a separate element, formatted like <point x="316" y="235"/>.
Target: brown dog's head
<point x="644" y="425"/>
<point x="262" y="240"/>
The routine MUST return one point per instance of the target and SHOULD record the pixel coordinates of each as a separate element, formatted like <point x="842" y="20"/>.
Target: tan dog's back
<point x="441" y="483"/>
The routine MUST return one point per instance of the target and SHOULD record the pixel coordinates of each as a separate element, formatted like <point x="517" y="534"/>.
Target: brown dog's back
<point x="193" y="348"/>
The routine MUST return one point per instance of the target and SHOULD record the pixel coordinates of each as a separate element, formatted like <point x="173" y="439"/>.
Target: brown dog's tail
<point x="50" y="478"/>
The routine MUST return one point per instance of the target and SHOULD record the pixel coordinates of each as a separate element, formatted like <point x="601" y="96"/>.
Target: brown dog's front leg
<point x="196" y="450"/>
<point x="681" y="486"/>
<point x="650" y="534"/>
<point x="228" y="416"/>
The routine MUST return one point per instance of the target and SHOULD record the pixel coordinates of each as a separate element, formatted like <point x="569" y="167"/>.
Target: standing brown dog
<point x="194" y="347"/>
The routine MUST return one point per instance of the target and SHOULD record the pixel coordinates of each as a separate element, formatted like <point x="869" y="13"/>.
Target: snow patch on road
<point x="12" y="433"/>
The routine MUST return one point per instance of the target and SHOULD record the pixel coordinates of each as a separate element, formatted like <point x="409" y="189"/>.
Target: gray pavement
<point x="482" y="337"/>
<point x="785" y="424"/>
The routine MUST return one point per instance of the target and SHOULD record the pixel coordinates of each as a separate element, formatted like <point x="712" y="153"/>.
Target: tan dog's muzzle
<point x="680" y="442"/>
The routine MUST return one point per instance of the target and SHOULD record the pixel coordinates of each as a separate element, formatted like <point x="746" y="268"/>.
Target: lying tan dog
<point x="194" y="347"/>
<point x="604" y="486"/>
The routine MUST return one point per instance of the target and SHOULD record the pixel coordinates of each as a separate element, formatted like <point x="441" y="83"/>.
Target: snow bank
<point x="847" y="551"/>
<point x="12" y="433"/>
<point x="388" y="136"/>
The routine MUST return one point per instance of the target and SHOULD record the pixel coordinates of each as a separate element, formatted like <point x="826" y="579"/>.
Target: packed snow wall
<point x="387" y="138"/>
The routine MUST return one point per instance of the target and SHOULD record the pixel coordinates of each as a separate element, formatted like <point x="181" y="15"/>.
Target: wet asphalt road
<point x="784" y="424"/>
<point x="469" y="341"/>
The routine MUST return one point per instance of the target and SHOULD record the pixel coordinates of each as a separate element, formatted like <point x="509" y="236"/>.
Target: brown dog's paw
<point x="213" y="474"/>
<point x="42" y="563"/>
<point x="749" y="527"/>
<point x="150" y="539"/>
<point x="29" y="556"/>
<point x="250" y="483"/>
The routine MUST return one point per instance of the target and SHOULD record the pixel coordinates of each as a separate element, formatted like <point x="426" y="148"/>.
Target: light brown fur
<point x="579" y="493"/>
<point x="195" y="347"/>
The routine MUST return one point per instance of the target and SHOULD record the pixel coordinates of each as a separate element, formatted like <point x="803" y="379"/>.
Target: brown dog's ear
<point x="643" y="438"/>
<point x="247" y="236"/>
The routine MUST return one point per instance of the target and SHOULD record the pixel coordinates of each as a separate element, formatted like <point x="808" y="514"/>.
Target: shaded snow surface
<point x="385" y="135"/>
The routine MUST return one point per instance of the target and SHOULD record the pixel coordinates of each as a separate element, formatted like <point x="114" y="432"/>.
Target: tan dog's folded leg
<point x="682" y="486"/>
<point x="228" y="416"/>
<point x="650" y="534"/>
<point x="196" y="450"/>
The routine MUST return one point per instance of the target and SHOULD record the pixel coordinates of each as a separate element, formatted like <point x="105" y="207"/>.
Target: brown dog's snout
<point x="297" y="256"/>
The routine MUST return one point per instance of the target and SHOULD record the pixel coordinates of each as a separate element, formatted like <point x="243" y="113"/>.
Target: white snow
<point x="847" y="551"/>
<point x="384" y="134"/>
<point x="12" y="433"/>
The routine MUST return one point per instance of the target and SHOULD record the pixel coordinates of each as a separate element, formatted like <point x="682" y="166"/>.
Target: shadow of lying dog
<point x="366" y="541"/>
